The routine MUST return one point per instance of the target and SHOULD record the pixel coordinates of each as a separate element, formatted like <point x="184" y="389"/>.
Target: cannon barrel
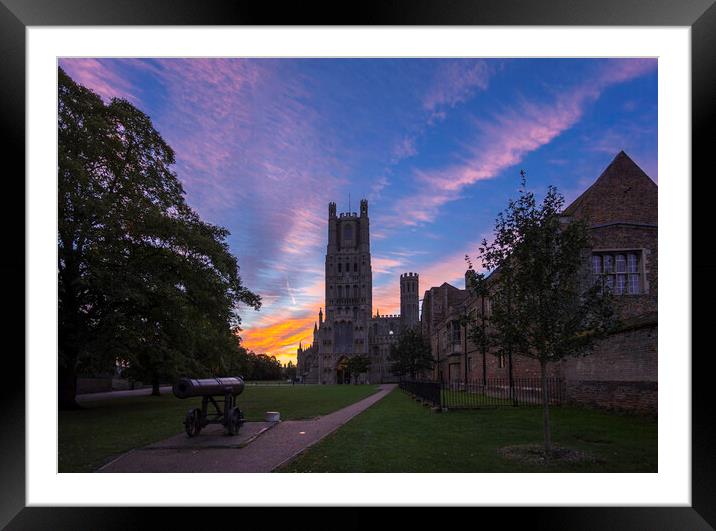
<point x="188" y="387"/>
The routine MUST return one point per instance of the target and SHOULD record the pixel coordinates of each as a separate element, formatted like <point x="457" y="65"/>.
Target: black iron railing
<point x="493" y="392"/>
<point x="426" y="390"/>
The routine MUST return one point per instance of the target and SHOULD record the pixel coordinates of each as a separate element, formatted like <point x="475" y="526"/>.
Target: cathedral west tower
<point x="349" y="290"/>
<point x="347" y="328"/>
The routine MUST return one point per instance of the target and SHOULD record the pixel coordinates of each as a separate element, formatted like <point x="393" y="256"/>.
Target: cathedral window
<point x="455" y="332"/>
<point x="339" y="267"/>
<point x="355" y="267"/>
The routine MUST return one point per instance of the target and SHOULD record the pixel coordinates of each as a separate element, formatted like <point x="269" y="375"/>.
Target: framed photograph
<point x="407" y="259"/>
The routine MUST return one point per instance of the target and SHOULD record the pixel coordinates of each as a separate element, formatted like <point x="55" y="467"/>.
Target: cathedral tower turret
<point x="409" y="290"/>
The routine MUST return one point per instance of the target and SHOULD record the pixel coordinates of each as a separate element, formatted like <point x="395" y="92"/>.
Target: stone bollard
<point x="272" y="416"/>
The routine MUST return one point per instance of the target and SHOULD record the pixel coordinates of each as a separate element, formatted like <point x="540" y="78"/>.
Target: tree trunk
<point x="68" y="338"/>
<point x="67" y="386"/>
<point x="483" y="344"/>
<point x="545" y="411"/>
<point x="511" y="379"/>
<point x="155" y="385"/>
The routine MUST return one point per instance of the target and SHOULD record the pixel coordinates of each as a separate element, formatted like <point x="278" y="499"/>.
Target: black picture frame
<point x="16" y="15"/>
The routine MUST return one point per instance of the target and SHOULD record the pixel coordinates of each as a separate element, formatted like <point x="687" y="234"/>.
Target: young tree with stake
<point x="544" y="303"/>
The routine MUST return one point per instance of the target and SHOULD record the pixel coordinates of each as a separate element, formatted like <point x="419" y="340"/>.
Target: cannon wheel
<point x="236" y="419"/>
<point x="192" y="423"/>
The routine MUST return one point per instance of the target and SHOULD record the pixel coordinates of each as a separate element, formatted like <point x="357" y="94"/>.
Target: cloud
<point x="280" y="329"/>
<point x="614" y="139"/>
<point x="306" y="233"/>
<point x="455" y="82"/>
<point x="405" y="148"/>
<point x="280" y="339"/>
<point x="377" y="187"/>
<point x="448" y="268"/>
<point x="505" y="137"/>
<point x="100" y="77"/>
<point x="384" y="265"/>
<point x="257" y="153"/>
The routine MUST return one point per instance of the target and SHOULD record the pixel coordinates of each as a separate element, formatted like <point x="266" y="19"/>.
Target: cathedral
<point x="348" y="328"/>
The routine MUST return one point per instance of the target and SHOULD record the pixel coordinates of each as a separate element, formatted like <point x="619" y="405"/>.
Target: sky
<point x="435" y="145"/>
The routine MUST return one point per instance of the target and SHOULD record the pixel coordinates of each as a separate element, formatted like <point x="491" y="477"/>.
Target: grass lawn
<point x="105" y="428"/>
<point x="399" y="435"/>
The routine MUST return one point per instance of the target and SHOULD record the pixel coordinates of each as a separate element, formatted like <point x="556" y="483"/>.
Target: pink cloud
<point x="307" y="232"/>
<point x="384" y="265"/>
<point x="445" y="268"/>
<point x="404" y="149"/>
<point x="505" y="138"/>
<point x="246" y="140"/>
<point x="98" y="76"/>
<point x="455" y="82"/>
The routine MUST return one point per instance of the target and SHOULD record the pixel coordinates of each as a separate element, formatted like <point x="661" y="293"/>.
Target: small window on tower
<point x="348" y="232"/>
<point x="355" y="267"/>
<point x="339" y="267"/>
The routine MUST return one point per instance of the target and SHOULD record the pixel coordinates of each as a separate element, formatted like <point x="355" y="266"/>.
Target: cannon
<point x="227" y="413"/>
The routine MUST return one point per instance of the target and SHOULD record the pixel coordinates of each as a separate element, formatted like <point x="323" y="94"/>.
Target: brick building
<point x="621" y="211"/>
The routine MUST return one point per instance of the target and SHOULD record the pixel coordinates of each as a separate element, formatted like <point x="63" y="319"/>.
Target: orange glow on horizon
<point x="280" y="335"/>
<point x="279" y="339"/>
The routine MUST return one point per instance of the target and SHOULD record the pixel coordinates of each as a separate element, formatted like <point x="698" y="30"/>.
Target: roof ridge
<point x="608" y="172"/>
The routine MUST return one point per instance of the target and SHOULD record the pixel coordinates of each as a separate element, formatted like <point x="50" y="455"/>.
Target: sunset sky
<point x="435" y="145"/>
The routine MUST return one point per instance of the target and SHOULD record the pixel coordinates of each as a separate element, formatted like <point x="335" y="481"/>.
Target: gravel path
<point x="273" y="447"/>
<point x="145" y="391"/>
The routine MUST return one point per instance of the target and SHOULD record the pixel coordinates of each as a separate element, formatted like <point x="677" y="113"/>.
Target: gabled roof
<point x="622" y="193"/>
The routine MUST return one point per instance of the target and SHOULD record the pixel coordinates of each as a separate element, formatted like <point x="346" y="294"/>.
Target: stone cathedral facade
<point x="348" y="327"/>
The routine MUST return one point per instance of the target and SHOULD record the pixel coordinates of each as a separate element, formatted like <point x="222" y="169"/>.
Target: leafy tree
<point x="265" y="367"/>
<point x="290" y="371"/>
<point x="240" y="363"/>
<point x="141" y="278"/>
<point x="544" y="304"/>
<point x="494" y="331"/>
<point x="479" y="331"/>
<point x="358" y="365"/>
<point x="411" y="355"/>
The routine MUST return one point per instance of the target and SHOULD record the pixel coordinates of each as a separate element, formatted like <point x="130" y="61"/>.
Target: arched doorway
<point x="343" y="375"/>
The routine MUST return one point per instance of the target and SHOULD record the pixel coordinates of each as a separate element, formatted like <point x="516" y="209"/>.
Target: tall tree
<point x="479" y="332"/>
<point x="141" y="277"/>
<point x="358" y="365"/>
<point x="544" y="302"/>
<point x="290" y="371"/>
<point x="411" y="355"/>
